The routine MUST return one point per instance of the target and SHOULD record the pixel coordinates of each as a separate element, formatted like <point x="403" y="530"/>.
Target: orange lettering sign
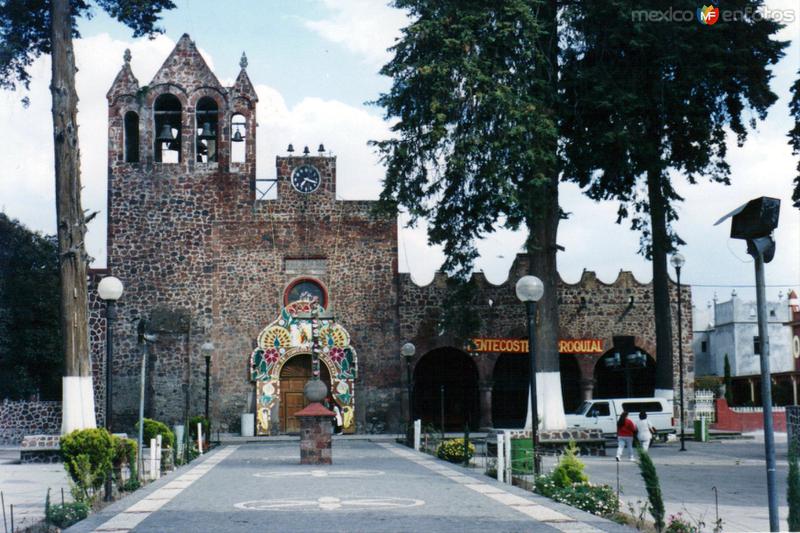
<point x="490" y="345"/>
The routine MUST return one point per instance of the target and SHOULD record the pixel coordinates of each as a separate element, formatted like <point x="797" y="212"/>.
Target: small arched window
<point x="238" y="137"/>
<point x="306" y="289"/>
<point x="167" y="120"/>
<point x="207" y="120"/>
<point x="131" y="137"/>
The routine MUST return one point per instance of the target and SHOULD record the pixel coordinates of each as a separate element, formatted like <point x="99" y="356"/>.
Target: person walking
<point x="644" y="430"/>
<point x="625" y="431"/>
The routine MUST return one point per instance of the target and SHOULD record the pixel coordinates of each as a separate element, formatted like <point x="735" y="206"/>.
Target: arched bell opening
<point x="167" y="112"/>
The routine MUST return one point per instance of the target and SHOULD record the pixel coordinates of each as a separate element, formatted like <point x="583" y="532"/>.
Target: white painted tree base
<point x="77" y="395"/>
<point x="549" y="402"/>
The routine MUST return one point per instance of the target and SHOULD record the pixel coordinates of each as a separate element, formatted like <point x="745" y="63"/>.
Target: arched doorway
<point x="630" y="376"/>
<point x="510" y="391"/>
<point x="294" y="375"/>
<point x="570" y="382"/>
<point x="511" y="384"/>
<point x="446" y="374"/>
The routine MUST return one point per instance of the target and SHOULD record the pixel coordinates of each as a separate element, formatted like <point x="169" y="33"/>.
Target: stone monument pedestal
<point x="315" y="434"/>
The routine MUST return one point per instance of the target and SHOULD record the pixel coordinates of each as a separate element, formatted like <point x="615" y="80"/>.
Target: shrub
<point x="569" y="469"/>
<point x="125" y="452"/>
<point x="193" y="427"/>
<point x="87" y="455"/>
<point x="678" y="524"/>
<point x="653" y="487"/>
<point x="64" y="515"/>
<point x="600" y="500"/>
<point x="452" y="450"/>
<point x="152" y="428"/>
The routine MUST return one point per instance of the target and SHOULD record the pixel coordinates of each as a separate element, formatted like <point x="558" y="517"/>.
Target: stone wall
<point x="203" y="260"/>
<point x="21" y="418"/>
<point x="589" y="308"/>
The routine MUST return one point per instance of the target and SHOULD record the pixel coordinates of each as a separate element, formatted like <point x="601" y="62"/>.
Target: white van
<point x="603" y="413"/>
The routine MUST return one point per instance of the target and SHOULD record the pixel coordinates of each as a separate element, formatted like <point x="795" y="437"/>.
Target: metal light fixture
<point x="677" y="260"/>
<point x="530" y="290"/>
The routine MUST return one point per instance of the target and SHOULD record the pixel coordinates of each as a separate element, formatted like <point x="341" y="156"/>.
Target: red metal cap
<point x="314" y="409"/>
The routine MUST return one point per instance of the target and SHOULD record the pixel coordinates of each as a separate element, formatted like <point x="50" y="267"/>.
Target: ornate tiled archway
<point x="302" y="327"/>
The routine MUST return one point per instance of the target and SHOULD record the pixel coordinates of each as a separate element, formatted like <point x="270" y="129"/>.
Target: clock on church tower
<point x="306" y="179"/>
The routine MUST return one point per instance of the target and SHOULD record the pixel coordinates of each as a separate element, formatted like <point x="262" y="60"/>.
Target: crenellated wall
<point x="590" y="308"/>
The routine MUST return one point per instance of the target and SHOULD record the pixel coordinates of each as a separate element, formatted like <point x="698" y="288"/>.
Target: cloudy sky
<point x="314" y="64"/>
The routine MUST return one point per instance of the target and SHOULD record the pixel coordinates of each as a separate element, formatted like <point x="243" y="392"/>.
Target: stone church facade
<point x="270" y="270"/>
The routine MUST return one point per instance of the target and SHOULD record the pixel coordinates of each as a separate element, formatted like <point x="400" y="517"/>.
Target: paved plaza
<point x="735" y="467"/>
<point x="370" y="487"/>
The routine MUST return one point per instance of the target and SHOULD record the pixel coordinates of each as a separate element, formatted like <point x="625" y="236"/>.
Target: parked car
<point x="603" y="413"/>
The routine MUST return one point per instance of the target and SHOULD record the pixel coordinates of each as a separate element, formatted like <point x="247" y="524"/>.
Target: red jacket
<point x="627" y="429"/>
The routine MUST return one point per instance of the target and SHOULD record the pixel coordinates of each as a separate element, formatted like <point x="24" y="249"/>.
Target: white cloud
<point x="364" y="27"/>
<point x="764" y="166"/>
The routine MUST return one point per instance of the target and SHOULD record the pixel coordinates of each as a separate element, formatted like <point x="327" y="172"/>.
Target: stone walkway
<point x="25" y="487"/>
<point x="370" y="487"/>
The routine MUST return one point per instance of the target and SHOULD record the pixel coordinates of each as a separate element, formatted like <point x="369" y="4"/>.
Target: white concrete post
<point x="200" y="438"/>
<point x="158" y="456"/>
<point x="152" y="459"/>
<point x="507" y="443"/>
<point x="501" y="462"/>
<point x="417" y="433"/>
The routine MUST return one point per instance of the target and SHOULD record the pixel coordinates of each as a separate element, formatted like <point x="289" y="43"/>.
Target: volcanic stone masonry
<point x="205" y="255"/>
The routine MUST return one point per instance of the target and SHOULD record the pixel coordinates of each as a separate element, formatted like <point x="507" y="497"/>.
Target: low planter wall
<point x="21" y="418"/>
<point x="751" y="420"/>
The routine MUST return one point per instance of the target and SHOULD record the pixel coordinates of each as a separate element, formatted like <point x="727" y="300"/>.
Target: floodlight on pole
<point x="755" y="222"/>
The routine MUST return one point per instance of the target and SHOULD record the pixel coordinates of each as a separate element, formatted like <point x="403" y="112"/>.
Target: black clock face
<point x="305" y="179"/>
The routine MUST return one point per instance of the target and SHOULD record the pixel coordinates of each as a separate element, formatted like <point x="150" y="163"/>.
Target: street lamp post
<point x="530" y="290"/>
<point x="407" y="351"/>
<point x="677" y="261"/>
<point x="147" y="338"/>
<point x="208" y="348"/>
<point x="110" y="290"/>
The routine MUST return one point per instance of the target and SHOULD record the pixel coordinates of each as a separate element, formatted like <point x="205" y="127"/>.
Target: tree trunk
<point x="661" y="303"/>
<point x="77" y="394"/>
<point x="543" y="218"/>
<point x="542" y="249"/>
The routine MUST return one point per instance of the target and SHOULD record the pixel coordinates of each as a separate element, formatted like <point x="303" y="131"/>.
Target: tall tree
<point x="475" y="142"/>
<point x="644" y="101"/>
<point x="31" y="362"/>
<point x="28" y="29"/>
<point x="794" y="135"/>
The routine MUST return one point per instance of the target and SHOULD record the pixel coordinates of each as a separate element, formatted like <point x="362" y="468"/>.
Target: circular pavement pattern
<point x="320" y="473"/>
<point x="330" y="503"/>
